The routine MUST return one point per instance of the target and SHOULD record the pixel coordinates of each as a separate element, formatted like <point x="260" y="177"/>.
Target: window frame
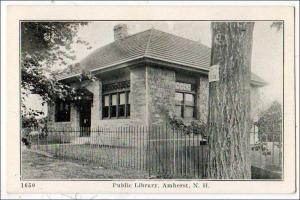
<point x="183" y="105"/>
<point x="117" y="92"/>
<point x="58" y="112"/>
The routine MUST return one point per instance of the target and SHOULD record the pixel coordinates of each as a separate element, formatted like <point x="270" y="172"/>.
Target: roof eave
<point x="125" y="63"/>
<point x="114" y="66"/>
<point x="153" y="60"/>
<point x="175" y="65"/>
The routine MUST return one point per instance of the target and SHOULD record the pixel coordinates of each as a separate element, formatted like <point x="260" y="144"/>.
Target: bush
<point x="269" y="123"/>
<point x="196" y="127"/>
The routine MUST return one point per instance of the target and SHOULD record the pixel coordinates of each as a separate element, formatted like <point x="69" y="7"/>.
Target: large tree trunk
<point x="229" y="101"/>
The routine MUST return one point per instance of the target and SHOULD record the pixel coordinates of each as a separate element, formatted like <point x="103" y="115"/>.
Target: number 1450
<point x="27" y="185"/>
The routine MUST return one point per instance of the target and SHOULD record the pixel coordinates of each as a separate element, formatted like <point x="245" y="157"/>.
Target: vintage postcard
<point x="150" y="99"/>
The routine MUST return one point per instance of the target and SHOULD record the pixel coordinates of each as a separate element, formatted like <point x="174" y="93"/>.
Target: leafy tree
<point x="278" y="25"/>
<point x="43" y="46"/>
<point x="269" y="123"/>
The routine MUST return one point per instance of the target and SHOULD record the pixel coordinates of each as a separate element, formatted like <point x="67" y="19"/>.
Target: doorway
<point x="85" y="119"/>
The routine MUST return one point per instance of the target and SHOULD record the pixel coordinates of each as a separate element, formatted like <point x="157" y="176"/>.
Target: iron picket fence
<point x="160" y="151"/>
<point x="267" y="146"/>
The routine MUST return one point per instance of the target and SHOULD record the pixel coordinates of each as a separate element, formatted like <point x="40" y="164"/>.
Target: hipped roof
<point x="152" y="44"/>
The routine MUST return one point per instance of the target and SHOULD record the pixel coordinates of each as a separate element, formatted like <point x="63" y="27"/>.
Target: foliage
<point x="43" y="46"/>
<point x="32" y="123"/>
<point x="277" y="25"/>
<point x="197" y="127"/>
<point x="29" y="121"/>
<point x="187" y="127"/>
<point x="269" y="122"/>
<point x="263" y="147"/>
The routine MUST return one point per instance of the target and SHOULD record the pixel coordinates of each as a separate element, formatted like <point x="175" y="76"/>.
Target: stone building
<point x="139" y="80"/>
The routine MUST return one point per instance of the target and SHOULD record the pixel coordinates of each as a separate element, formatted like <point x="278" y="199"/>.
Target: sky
<point x="267" y="51"/>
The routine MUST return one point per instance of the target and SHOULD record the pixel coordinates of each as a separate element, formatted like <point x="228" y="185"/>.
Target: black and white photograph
<point x="151" y="99"/>
<point x="125" y="100"/>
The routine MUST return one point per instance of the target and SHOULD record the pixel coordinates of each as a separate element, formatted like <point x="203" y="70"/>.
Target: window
<point x="116" y="100"/>
<point x="122" y="102"/>
<point x="128" y="97"/>
<point x="106" y="106"/>
<point x="62" y="111"/>
<point x="185" y="100"/>
<point x="179" y="104"/>
<point x="113" y="107"/>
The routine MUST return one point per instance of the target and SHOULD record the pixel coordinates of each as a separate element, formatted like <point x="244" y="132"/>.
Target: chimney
<point x="120" y="31"/>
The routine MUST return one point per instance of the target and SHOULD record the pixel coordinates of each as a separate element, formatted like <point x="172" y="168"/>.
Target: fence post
<point x="280" y="146"/>
<point x="149" y="149"/>
<point x="38" y="141"/>
<point x="61" y="143"/>
<point x="174" y="151"/>
<point x="156" y="145"/>
<point x="254" y="135"/>
<point x="144" y="152"/>
<point x="190" y="154"/>
<point x="260" y="148"/>
<point x="140" y="146"/>
<point x="159" y="143"/>
<point x="273" y="148"/>
<point x="185" y="153"/>
<point x="166" y="151"/>
<point x="117" y="144"/>
<point x="202" y="158"/>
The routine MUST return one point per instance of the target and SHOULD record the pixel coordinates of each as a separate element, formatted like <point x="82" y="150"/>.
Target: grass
<point x="163" y="161"/>
<point x="35" y="166"/>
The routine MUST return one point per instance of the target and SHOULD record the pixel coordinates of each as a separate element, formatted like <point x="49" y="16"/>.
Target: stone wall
<point x="96" y="88"/>
<point x="160" y="89"/>
<point x="138" y="102"/>
<point x="72" y="124"/>
<point x="152" y="97"/>
<point x="152" y="91"/>
<point x="138" y="94"/>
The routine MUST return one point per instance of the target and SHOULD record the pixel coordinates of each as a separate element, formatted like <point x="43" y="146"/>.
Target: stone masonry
<point x="160" y="94"/>
<point x="152" y="98"/>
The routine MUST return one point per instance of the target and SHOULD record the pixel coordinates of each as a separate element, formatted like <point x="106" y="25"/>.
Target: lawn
<point x="162" y="160"/>
<point x="36" y="166"/>
<point x="83" y="161"/>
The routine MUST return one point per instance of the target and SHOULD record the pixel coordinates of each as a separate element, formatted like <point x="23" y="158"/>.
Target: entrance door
<point x="85" y="119"/>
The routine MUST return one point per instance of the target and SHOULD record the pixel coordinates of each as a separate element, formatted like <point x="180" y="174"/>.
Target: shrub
<point x="196" y="127"/>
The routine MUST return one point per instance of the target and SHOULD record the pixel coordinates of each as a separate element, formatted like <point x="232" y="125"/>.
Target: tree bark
<point x="229" y="101"/>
